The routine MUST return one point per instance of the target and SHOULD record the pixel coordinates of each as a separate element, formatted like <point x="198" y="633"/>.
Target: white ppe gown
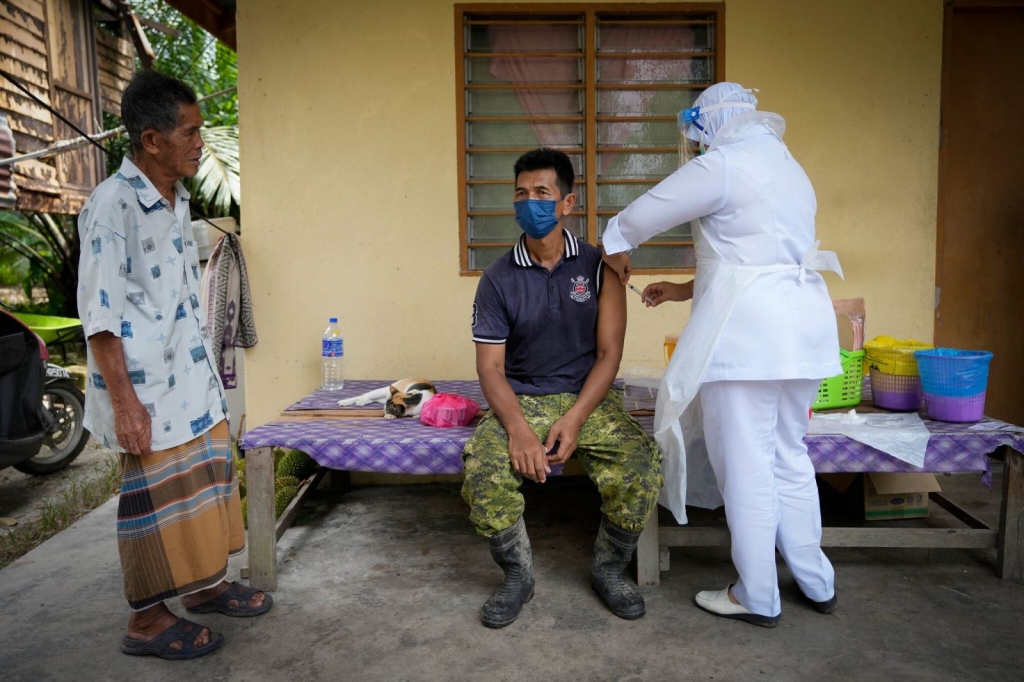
<point x="761" y="335"/>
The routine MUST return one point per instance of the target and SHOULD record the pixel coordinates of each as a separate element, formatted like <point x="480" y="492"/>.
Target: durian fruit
<point x="286" y="482"/>
<point x="283" y="495"/>
<point x="279" y="453"/>
<point x="241" y="484"/>
<point x="240" y="465"/>
<point x="295" y="463"/>
<point x="245" y="513"/>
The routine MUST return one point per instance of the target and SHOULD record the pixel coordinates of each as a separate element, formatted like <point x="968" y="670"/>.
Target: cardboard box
<point x="897" y="496"/>
<point x="885" y="496"/>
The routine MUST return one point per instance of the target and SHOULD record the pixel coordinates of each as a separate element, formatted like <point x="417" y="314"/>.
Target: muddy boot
<point x="612" y="552"/>
<point x="510" y="549"/>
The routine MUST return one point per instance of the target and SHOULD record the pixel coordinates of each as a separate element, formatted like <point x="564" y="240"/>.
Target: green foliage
<point x="43" y="250"/>
<point x="216" y="188"/>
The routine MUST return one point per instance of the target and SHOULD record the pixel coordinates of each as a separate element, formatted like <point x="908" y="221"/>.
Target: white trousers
<point x="754" y="432"/>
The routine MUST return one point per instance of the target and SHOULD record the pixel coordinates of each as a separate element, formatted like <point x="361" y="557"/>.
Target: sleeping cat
<point x="404" y="398"/>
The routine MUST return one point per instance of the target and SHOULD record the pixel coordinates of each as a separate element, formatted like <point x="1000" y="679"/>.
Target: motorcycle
<point x="42" y="411"/>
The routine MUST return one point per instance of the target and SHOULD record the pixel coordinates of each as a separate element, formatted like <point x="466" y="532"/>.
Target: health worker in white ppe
<point x="760" y="338"/>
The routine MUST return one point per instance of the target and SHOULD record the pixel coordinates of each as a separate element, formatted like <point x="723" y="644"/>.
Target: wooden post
<point x="648" y="558"/>
<point x="1010" y="559"/>
<point x="262" y="537"/>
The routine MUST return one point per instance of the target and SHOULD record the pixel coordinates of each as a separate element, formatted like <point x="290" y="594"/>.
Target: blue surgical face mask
<point x="536" y="217"/>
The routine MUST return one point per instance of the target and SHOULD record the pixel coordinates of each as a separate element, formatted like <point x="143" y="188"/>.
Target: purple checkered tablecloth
<point x="405" y="446"/>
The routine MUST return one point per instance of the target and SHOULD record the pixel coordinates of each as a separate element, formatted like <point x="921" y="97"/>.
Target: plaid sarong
<point x="178" y="519"/>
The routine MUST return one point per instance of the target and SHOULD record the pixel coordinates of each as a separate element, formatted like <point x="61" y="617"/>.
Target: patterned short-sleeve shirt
<point x="138" y="279"/>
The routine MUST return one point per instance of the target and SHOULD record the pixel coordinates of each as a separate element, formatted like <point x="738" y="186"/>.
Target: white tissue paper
<point x="904" y="436"/>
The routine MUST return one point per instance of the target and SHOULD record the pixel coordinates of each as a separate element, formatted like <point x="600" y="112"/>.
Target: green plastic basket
<point x="843" y="390"/>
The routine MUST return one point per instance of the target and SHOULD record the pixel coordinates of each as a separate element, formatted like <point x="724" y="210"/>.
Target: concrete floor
<point x="385" y="583"/>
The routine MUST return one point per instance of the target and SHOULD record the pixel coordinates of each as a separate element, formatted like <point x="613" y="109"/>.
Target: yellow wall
<point x="348" y="143"/>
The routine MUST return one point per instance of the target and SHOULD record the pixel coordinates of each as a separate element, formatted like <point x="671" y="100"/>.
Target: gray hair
<point x="151" y="100"/>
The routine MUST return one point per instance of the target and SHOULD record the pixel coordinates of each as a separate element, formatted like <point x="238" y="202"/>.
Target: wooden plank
<point x="24" y="107"/>
<point x="1010" y="558"/>
<point x="122" y="55"/>
<point x="590" y="127"/>
<point x="949" y="538"/>
<point x="29" y="134"/>
<point x="11" y="47"/>
<point x="37" y="176"/>
<point x="20" y="35"/>
<point x="42" y="93"/>
<point x="959" y="512"/>
<point x="67" y="203"/>
<point x="115" y="84"/>
<point x="259" y="476"/>
<point x="31" y="75"/>
<point x="292" y="510"/>
<point x="648" y="550"/>
<point x="27" y="13"/>
<point x="33" y="7"/>
<point x="330" y="415"/>
<point x="115" y="69"/>
<point x="695" y="536"/>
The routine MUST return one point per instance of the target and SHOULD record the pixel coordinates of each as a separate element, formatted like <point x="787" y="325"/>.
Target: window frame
<point x="590" y="151"/>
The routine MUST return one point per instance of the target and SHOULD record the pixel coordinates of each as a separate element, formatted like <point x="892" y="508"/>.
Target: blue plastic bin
<point x="953" y="373"/>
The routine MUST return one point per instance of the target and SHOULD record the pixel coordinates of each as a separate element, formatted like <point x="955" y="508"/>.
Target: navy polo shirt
<point x="546" y="320"/>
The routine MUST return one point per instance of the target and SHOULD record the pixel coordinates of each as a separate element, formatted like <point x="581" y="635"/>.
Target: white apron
<point x="678" y="420"/>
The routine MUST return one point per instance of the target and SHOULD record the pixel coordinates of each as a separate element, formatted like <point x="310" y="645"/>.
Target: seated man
<point x="549" y="325"/>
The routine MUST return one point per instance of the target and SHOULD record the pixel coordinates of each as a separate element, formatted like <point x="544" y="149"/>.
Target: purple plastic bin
<point x="895" y="391"/>
<point x="970" y="408"/>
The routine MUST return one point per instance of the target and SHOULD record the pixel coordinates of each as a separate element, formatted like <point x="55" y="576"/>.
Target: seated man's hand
<point x="564" y="434"/>
<point x="660" y="292"/>
<point x="528" y="455"/>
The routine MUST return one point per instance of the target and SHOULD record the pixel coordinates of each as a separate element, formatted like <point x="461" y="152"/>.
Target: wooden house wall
<point x="115" y="58"/>
<point x="53" y="47"/>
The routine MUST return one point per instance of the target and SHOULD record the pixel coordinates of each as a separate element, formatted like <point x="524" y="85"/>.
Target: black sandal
<point x="184" y="631"/>
<point x="239" y="593"/>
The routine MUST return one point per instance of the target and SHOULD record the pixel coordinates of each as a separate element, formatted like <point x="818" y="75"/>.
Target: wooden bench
<point x="359" y="439"/>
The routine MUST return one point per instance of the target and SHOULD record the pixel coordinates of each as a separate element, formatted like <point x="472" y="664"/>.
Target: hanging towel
<point x="228" y="306"/>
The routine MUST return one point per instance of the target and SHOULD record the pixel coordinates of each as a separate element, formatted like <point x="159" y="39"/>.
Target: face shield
<point x="693" y="125"/>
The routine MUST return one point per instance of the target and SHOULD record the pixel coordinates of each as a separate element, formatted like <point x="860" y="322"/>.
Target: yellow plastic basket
<point x="843" y="390"/>
<point x="894" y="356"/>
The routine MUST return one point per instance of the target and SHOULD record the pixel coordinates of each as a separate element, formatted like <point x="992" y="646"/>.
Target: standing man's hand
<point x="565" y="434"/>
<point x="528" y="455"/>
<point x="134" y="427"/>
<point x="620" y="264"/>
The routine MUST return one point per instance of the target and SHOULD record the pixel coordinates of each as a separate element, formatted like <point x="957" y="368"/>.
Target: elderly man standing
<point x="153" y="393"/>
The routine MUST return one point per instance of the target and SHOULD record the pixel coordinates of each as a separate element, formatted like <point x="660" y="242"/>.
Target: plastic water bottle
<point x="332" y="374"/>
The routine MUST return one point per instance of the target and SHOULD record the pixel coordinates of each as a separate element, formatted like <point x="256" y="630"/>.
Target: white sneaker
<point x="718" y="603"/>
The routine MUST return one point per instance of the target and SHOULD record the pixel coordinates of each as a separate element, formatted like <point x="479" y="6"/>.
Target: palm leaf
<point x="218" y="182"/>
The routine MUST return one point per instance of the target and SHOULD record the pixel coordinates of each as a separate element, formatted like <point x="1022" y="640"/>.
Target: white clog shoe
<point x="718" y="603"/>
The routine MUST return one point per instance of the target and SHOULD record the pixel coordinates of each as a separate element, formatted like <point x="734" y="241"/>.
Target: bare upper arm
<point x="490" y="356"/>
<point x="611" y="314"/>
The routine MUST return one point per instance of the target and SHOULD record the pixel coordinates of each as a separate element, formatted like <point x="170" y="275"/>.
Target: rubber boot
<point x="510" y="549"/>
<point x="612" y="552"/>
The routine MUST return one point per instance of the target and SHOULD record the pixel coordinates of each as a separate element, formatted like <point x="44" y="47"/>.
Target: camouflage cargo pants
<point x="617" y="454"/>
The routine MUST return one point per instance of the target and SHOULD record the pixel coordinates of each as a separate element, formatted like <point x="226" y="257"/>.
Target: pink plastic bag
<point x="448" y="409"/>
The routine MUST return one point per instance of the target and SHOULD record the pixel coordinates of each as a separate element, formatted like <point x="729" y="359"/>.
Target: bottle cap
<point x="333" y="320"/>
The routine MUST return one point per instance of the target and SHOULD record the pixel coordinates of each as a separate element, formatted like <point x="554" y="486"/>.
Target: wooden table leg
<point x="1010" y="559"/>
<point x="648" y="559"/>
<point x="259" y="474"/>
